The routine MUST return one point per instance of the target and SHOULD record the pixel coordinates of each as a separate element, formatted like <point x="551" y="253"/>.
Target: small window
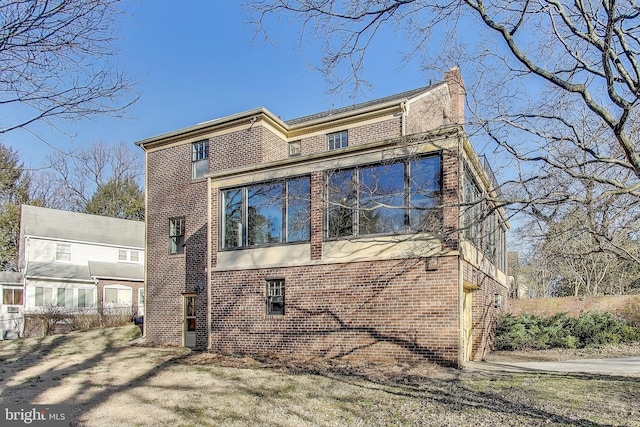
<point x="337" y="140"/>
<point x="200" y="158"/>
<point x="12" y="296"/>
<point x="275" y="297"/>
<point x="176" y="236"/>
<point x="295" y="149"/>
<point x="128" y="256"/>
<point x="63" y="252"/>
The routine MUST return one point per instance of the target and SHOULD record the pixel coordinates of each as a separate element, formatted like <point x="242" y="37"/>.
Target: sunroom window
<point x="266" y="214"/>
<point x="390" y="198"/>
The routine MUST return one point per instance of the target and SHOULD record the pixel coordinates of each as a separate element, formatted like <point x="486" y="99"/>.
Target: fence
<point x="574" y="306"/>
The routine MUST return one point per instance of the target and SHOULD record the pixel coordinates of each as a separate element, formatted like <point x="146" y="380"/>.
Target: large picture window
<point x="266" y="214"/>
<point x="391" y="198"/>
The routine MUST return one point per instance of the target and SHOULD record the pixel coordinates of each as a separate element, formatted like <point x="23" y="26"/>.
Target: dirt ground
<point x="111" y="382"/>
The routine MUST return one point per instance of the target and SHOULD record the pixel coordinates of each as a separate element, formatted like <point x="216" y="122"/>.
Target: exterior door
<point x="468" y="325"/>
<point x="189" y="321"/>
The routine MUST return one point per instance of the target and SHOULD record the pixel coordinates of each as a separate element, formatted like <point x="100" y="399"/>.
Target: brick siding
<point x="375" y="310"/>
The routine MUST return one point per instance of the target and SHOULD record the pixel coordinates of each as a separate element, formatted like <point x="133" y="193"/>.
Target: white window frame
<point x="337" y="140"/>
<point x="132" y="256"/>
<point x="116" y="308"/>
<point x="295" y="148"/>
<point x="63" y="251"/>
<point x="13" y="290"/>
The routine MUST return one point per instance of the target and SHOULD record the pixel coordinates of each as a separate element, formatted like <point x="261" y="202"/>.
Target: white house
<point x="11" y="304"/>
<point x="81" y="262"/>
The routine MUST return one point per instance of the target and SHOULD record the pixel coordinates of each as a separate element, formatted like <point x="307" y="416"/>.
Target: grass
<point x="109" y="382"/>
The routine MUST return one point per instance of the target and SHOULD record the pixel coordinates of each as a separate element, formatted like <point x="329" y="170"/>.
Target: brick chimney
<point x="453" y="78"/>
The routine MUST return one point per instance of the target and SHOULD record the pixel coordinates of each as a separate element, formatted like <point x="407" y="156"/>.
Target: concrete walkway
<point x="629" y="366"/>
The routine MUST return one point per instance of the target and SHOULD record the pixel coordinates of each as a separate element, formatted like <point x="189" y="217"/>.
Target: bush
<point x="631" y="312"/>
<point x="593" y="329"/>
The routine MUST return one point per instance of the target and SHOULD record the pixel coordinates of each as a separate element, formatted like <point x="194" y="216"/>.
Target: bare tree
<point x="583" y="52"/>
<point x="56" y="61"/>
<point x="553" y="90"/>
<point x="73" y="179"/>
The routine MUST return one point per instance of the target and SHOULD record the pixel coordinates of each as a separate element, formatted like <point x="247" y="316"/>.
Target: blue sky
<point x="198" y="62"/>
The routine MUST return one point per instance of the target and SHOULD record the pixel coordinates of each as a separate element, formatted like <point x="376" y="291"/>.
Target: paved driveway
<point x="628" y="366"/>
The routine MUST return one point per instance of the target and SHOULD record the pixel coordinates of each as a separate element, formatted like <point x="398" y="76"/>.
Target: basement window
<point x="275" y="297"/>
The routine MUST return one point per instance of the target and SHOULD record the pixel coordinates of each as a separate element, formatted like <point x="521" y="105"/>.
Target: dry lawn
<point x="110" y="382"/>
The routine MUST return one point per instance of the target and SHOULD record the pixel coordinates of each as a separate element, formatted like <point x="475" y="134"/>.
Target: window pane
<point x="298" y="210"/>
<point x="65" y="297"/>
<point x="264" y="222"/>
<point x="110" y="296"/>
<point x="341" y="197"/>
<point x="82" y="301"/>
<point x="39" y="297"/>
<point x="382" y="203"/>
<point x="200" y="168"/>
<point x="232" y="221"/>
<point x="17" y="296"/>
<point x="122" y="255"/>
<point x="135" y="256"/>
<point x="7" y="297"/>
<point x="124" y="297"/>
<point x="425" y="185"/>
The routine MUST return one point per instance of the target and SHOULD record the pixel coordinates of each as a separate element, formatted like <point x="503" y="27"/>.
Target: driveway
<point x="628" y="366"/>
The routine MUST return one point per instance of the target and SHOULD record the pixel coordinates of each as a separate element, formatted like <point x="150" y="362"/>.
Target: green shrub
<point x="592" y="329"/>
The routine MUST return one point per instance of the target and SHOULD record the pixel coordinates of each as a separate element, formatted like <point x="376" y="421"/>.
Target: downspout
<point x="208" y="293"/>
<point x="405" y="113"/>
<point x="146" y="233"/>
<point x="461" y="338"/>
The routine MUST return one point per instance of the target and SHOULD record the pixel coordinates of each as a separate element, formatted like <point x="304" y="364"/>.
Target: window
<point x="63" y="252"/>
<point x="65" y="297"/>
<point x="295" y="149"/>
<point x="128" y="256"/>
<point x="275" y="296"/>
<point x="176" y="236"/>
<point x="483" y="226"/>
<point x="12" y="296"/>
<point x="85" y="297"/>
<point x="44" y="297"/>
<point x="389" y="198"/>
<point x="266" y="214"/>
<point x="140" y="301"/>
<point x="200" y="158"/>
<point x="118" y="299"/>
<point x="337" y="140"/>
<point x="472" y="206"/>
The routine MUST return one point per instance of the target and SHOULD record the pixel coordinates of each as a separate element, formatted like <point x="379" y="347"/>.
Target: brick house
<point x="359" y="232"/>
